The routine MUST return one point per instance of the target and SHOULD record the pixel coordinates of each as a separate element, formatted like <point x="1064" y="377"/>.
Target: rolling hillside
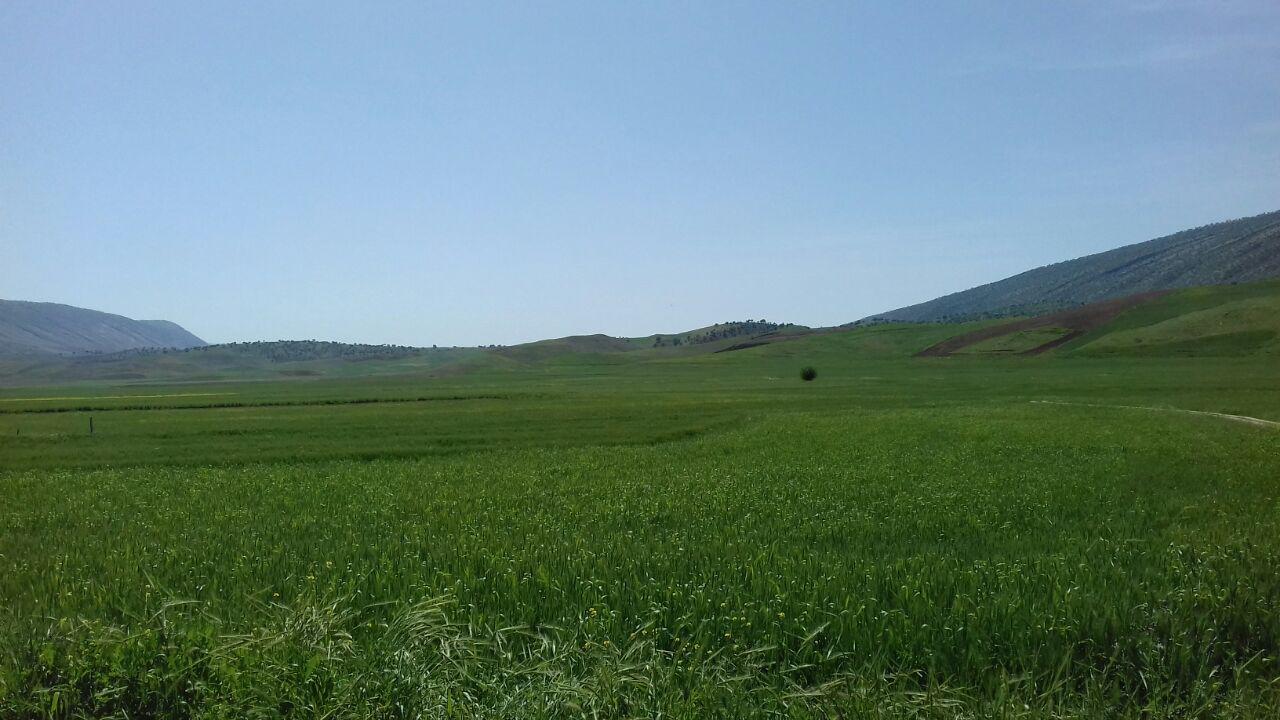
<point x="36" y="328"/>
<point x="1237" y="251"/>
<point x="713" y="338"/>
<point x="1222" y="320"/>
<point x="285" y="359"/>
<point x="1211" y="321"/>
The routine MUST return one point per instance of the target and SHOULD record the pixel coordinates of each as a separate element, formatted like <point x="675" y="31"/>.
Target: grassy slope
<point x="1224" y="321"/>
<point x="310" y="360"/>
<point x="1017" y="342"/>
<point x="1229" y="320"/>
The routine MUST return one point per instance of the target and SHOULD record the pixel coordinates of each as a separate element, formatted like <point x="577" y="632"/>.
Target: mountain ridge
<point x="30" y="328"/>
<point x="1232" y="251"/>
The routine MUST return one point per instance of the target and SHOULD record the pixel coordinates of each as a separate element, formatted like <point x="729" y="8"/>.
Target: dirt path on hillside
<point x="1256" y="422"/>
<point x="1076" y="321"/>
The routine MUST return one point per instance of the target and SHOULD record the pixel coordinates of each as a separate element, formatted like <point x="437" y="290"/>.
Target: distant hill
<point x="712" y="338"/>
<point x="233" y="361"/>
<point x="1236" y="251"/>
<point x="313" y="358"/>
<point x="37" y="328"/>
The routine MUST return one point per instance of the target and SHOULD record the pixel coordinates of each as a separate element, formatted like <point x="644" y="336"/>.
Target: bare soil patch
<point x="1078" y="320"/>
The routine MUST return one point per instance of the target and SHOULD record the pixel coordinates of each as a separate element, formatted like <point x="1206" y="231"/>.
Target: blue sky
<point x="464" y="173"/>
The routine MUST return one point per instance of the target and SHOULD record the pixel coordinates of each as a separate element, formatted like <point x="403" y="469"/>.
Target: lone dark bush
<point x="808" y="373"/>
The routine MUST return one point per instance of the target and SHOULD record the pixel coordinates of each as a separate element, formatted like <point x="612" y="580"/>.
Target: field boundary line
<point x="1256" y="422"/>
<point x="249" y="404"/>
<point x="113" y="397"/>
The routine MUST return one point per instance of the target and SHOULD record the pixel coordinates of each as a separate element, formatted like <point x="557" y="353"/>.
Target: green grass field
<point x="1018" y="342"/>
<point x="653" y="535"/>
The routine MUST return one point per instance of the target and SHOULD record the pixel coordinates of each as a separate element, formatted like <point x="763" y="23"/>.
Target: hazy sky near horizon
<point x="474" y="173"/>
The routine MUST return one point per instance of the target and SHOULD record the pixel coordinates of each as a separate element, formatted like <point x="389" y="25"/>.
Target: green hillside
<point x="310" y="359"/>
<point x="1224" y="320"/>
<point x="1231" y="320"/>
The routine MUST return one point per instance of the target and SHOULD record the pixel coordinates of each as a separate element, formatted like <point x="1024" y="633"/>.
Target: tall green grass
<point x="952" y="559"/>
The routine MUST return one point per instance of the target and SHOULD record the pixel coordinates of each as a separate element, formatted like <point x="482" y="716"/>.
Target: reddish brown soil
<point x="1077" y="320"/>
<point x="777" y="337"/>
